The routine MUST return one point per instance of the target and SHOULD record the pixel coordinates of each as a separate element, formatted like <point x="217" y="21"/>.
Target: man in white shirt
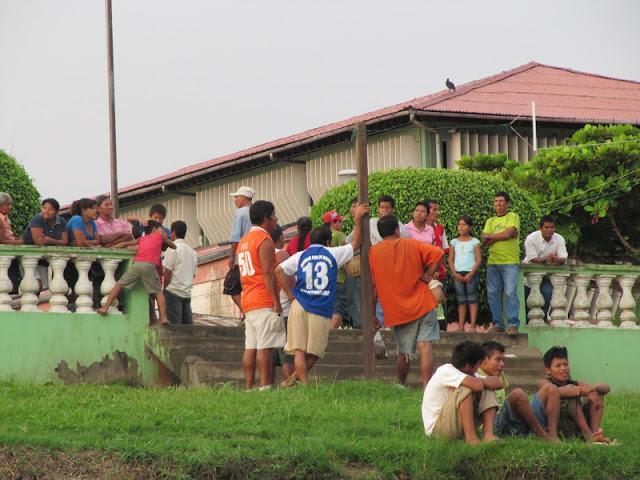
<point x="455" y="399"/>
<point x="180" y="266"/>
<point x="545" y="246"/>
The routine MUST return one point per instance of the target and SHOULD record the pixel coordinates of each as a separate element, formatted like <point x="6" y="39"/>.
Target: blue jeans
<point x="503" y="280"/>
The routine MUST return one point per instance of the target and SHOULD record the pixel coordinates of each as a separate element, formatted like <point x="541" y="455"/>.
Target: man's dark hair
<point x="467" y="219"/>
<point x="467" y="353"/>
<point x="554" y="352"/>
<point x="547" y="219"/>
<point x="422" y="203"/>
<point x="355" y="200"/>
<point x="100" y="199"/>
<point x="491" y="346"/>
<point x="321" y="236"/>
<point x="179" y="228"/>
<point x="505" y="195"/>
<point x="82" y="204"/>
<point x="430" y="203"/>
<point x="53" y="202"/>
<point x="151" y="226"/>
<point x="158" y="208"/>
<point x="276" y="233"/>
<point x="387" y="199"/>
<point x="387" y="225"/>
<point x="261" y="211"/>
<point x="304" y="226"/>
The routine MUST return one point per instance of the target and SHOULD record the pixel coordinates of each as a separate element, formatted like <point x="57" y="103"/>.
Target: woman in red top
<point x="145" y="267"/>
<point x="303" y="239"/>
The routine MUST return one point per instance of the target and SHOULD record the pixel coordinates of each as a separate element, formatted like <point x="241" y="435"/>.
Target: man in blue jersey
<point x="313" y="297"/>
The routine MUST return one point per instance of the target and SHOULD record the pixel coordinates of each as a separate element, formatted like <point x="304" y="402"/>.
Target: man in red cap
<point x="333" y="220"/>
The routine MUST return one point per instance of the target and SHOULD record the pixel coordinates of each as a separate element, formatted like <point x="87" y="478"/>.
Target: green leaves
<point x="15" y="181"/>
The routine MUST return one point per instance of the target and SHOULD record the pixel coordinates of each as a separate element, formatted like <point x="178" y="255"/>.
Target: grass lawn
<point x="344" y="430"/>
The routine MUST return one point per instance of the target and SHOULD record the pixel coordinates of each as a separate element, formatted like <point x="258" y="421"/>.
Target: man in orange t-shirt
<point x="264" y="325"/>
<point x="402" y="269"/>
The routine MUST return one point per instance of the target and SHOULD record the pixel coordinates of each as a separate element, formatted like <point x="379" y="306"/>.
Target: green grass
<point x="347" y="429"/>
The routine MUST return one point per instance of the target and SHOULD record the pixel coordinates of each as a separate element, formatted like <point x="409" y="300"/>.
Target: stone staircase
<point x="205" y="355"/>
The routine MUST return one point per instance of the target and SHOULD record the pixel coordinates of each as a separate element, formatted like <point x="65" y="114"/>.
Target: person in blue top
<point x="465" y="259"/>
<point x="82" y="228"/>
<point x="314" y="293"/>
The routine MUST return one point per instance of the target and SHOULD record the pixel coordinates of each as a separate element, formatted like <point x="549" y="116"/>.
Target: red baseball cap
<point x="331" y="216"/>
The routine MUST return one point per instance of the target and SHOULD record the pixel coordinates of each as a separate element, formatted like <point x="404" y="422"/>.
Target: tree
<point x="16" y="182"/>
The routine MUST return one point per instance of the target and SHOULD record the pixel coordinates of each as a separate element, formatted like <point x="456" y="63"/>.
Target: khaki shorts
<point x="145" y="271"/>
<point x="307" y="331"/>
<point x="449" y="425"/>
<point x="264" y="328"/>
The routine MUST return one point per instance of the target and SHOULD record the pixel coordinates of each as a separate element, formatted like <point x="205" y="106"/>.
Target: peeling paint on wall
<point x="120" y="369"/>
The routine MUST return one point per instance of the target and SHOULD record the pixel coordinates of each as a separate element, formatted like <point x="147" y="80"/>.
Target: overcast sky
<point x="196" y="79"/>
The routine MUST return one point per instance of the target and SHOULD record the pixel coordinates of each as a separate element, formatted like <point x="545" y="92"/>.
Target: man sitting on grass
<point x="455" y="398"/>
<point x="581" y="404"/>
<point x="515" y="415"/>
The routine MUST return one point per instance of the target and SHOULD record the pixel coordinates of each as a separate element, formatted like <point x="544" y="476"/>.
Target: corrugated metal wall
<point x="178" y="208"/>
<point x="400" y="150"/>
<point x="283" y="184"/>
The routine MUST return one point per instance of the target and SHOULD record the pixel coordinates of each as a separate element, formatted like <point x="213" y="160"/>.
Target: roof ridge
<point x="580" y="72"/>
<point x="482" y="82"/>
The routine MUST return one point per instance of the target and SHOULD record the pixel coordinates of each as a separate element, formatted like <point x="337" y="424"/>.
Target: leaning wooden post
<point x="366" y="294"/>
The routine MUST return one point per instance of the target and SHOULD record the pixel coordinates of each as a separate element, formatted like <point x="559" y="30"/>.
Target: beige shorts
<point x="449" y="425"/>
<point x="141" y="271"/>
<point x="307" y="331"/>
<point x="264" y="328"/>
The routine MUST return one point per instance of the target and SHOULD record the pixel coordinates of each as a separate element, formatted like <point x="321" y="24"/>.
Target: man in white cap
<point x="243" y="198"/>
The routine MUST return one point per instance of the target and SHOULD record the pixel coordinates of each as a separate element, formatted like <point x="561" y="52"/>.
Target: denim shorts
<point x="423" y="329"/>
<point x="508" y="424"/>
<point x="467" y="293"/>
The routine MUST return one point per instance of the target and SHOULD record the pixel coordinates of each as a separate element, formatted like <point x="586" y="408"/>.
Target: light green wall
<point x="595" y="354"/>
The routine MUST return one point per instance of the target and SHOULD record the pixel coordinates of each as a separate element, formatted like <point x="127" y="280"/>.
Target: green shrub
<point x="16" y="182"/>
<point x="483" y="162"/>
<point x="458" y="192"/>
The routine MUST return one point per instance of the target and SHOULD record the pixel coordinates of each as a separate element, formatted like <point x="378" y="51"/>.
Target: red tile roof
<point x="560" y="94"/>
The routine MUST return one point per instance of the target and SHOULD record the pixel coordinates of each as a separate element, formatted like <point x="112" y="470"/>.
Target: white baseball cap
<point x="245" y="192"/>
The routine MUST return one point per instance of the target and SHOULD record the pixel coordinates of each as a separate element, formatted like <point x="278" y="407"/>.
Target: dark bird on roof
<point x="450" y="85"/>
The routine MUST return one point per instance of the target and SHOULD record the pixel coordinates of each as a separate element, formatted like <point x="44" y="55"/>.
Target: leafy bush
<point x="457" y="191"/>
<point x="490" y="163"/>
<point x="16" y="182"/>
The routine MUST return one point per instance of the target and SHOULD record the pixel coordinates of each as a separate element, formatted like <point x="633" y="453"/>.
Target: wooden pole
<point x="113" y="159"/>
<point x="366" y="294"/>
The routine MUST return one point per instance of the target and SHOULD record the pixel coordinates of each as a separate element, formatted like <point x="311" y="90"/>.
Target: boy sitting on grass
<point x="455" y="399"/>
<point x="145" y="267"/>
<point x="581" y="404"/>
<point x="515" y="415"/>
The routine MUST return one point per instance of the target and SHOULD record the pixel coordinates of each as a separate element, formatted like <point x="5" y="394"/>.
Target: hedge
<point x="457" y="191"/>
<point x="15" y="181"/>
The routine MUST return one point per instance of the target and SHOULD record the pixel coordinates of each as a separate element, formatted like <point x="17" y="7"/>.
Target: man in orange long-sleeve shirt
<point x="402" y="269"/>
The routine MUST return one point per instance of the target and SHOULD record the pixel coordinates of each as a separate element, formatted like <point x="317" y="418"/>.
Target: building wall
<point x="178" y="208"/>
<point x="398" y="149"/>
<point x="283" y="184"/>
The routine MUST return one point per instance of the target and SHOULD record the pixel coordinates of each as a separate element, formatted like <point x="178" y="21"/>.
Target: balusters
<point x="58" y="285"/>
<point x="582" y="301"/>
<point x="109" y="265"/>
<point x="84" y="288"/>
<point x="535" y="301"/>
<point x="627" y="302"/>
<point x="559" y="300"/>
<point x="5" y="284"/>
<point x="605" y="301"/>
<point x="29" y="285"/>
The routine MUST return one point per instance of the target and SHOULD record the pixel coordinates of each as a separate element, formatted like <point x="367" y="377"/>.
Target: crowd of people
<point x="168" y="281"/>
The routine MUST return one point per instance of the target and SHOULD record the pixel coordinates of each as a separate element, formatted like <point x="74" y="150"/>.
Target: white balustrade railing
<point x="59" y="259"/>
<point x="584" y="296"/>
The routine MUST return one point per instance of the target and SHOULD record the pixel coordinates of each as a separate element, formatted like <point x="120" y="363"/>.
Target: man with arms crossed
<point x="264" y="326"/>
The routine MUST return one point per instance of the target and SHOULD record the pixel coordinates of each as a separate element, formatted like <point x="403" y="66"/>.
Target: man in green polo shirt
<point x="501" y="234"/>
<point x="333" y="220"/>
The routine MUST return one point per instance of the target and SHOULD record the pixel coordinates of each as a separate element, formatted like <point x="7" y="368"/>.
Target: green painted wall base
<point x="68" y="347"/>
<point x="595" y="355"/>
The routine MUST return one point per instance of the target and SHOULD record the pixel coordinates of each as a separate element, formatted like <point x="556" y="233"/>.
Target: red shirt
<point x="255" y="294"/>
<point x="292" y="246"/>
<point x="149" y="249"/>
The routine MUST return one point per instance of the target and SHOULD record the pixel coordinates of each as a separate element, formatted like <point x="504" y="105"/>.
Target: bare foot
<point x="164" y="321"/>
<point x="103" y="310"/>
<point x="548" y="438"/>
<point x="472" y="441"/>
<point x="490" y="438"/>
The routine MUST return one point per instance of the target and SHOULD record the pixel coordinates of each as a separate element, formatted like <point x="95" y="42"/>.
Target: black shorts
<point x="232" y="285"/>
